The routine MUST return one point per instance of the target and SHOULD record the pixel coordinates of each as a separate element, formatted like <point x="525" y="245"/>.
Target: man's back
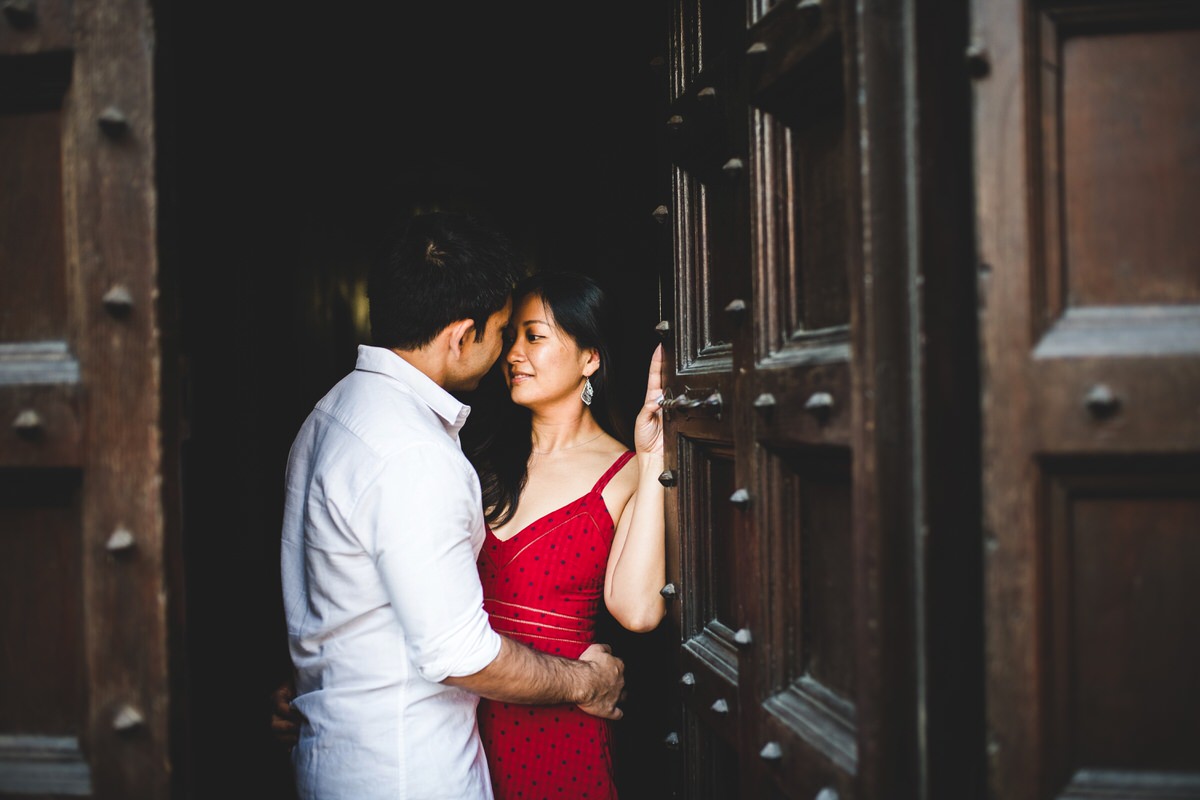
<point x="382" y="524"/>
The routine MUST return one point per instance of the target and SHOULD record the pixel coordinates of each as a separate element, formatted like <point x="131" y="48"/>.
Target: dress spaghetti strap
<point x="621" y="461"/>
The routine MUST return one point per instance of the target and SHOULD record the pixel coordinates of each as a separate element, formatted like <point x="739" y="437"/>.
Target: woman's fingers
<point x="654" y="381"/>
<point x="647" y="434"/>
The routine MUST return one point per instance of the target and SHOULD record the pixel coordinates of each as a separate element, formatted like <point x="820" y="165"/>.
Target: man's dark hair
<point x="438" y="268"/>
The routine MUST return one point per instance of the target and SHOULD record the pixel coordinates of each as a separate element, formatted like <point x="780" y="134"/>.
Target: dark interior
<point x="294" y="135"/>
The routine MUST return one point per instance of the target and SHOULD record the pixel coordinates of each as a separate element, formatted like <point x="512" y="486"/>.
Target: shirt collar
<point x="386" y="362"/>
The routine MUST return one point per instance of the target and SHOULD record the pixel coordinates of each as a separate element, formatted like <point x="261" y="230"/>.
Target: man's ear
<point x="458" y="332"/>
<point x="592" y="364"/>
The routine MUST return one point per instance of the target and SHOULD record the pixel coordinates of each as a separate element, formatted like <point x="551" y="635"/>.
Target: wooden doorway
<point x="295" y="149"/>
<point x="917" y="396"/>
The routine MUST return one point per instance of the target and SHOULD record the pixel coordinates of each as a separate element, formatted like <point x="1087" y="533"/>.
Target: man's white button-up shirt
<point x="382" y="525"/>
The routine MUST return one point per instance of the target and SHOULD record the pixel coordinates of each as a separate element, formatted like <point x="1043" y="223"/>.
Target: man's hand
<point x="608" y="682"/>
<point x="285" y="719"/>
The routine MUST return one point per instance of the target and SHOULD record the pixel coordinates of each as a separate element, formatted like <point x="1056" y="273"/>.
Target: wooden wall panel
<point x="803" y="239"/>
<point x="816" y="280"/>
<point x="41" y="633"/>
<point x="825" y="608"/>
<point x="84" y="668"/>
<point x="809" y="709"/>
<point x="1125" y="101"/>
<point x="706" y="334"/>
<point x="1123" y="547"/>
<point x="1132" y="579"/>
<point x="43" y="710"/>
<point x="718" y="774"/>
<point x="31" y="231"/>
<point x="722" y="554"/>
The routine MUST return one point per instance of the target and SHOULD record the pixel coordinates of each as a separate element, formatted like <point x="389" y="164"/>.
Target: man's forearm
<point x="520" y="674"/>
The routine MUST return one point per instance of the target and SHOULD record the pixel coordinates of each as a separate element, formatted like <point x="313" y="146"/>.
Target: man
<point x="382" y="526"/>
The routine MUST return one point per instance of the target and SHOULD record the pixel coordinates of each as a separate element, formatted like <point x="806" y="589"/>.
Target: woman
<point x="574" y="519"/>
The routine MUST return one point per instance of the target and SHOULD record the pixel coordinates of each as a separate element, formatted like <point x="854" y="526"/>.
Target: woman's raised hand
<point x="648" y="427"/>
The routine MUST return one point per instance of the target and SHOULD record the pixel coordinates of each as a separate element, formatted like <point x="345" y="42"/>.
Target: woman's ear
<point x="592" y="364"/>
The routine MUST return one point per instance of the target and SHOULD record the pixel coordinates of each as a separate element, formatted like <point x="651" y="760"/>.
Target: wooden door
<point x="805" y="512"/>
<point x="83" y="598"/>
<point x="1087" y="152"/>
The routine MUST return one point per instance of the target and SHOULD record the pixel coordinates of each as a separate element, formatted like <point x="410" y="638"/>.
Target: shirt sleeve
<point x="417" y="518"/>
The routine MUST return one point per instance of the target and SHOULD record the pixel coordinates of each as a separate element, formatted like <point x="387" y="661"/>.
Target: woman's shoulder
<point x="614" y="449"/>
<point x="598" y="456"/>
<point x="627" y="476"/>
<point x="604" y="454"/>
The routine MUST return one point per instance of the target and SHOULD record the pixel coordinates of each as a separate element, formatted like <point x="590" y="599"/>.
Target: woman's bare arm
<point x="637" y="563"/>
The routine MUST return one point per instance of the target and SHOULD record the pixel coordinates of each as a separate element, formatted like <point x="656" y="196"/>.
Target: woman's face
<point x="543" y="364"/>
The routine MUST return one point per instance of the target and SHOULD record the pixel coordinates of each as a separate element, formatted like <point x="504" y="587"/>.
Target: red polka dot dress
<point x="543" y="587"/>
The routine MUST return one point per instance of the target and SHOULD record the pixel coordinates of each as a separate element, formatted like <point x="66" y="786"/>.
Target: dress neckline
<point x="547" y="515"/>
<point x="598" y="490"/>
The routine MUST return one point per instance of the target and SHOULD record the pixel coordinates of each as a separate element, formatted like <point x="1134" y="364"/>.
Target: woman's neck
<point x="563" y="430"/>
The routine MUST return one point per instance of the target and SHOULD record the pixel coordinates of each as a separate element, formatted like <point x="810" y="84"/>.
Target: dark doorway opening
<point x="293" y="135"/>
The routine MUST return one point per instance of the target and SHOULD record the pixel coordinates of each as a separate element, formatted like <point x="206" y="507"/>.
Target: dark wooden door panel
<point x="715" y="555"/>
<point x="809" y="712"/>
<point x="43" y="712"/>
<point x="1123" y="98"/>
<point x="1091" y="345"/>
<point x="35" y="29"/>
<point x="1123" y="544"/>
<point x="821" y="221"/>
<point x="718" y="531"/>
<point x="32" y="226"/>
<point x="41" y="514"/>
<point x="806" y="736"/>
<point x="704" y="219"/>
<point x="761" y="133"/>
<point x="41" y="649"/>
<point x="83" y="629"/>
<point x="715" y="765"/>
<point x="710" y="570"/>
<point x="812" y="503"/>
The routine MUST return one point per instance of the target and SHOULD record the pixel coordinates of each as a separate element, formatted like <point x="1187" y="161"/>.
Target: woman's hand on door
<point x="648" y="428"/>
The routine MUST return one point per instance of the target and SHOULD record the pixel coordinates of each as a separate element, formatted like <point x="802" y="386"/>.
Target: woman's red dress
<point x="543" y="587"/>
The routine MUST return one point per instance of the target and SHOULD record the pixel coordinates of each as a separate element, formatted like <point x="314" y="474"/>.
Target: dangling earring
<point x="588" y="392"/>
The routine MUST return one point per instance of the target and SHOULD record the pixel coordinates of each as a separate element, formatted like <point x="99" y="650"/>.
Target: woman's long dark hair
<point x="581" y="310"/>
